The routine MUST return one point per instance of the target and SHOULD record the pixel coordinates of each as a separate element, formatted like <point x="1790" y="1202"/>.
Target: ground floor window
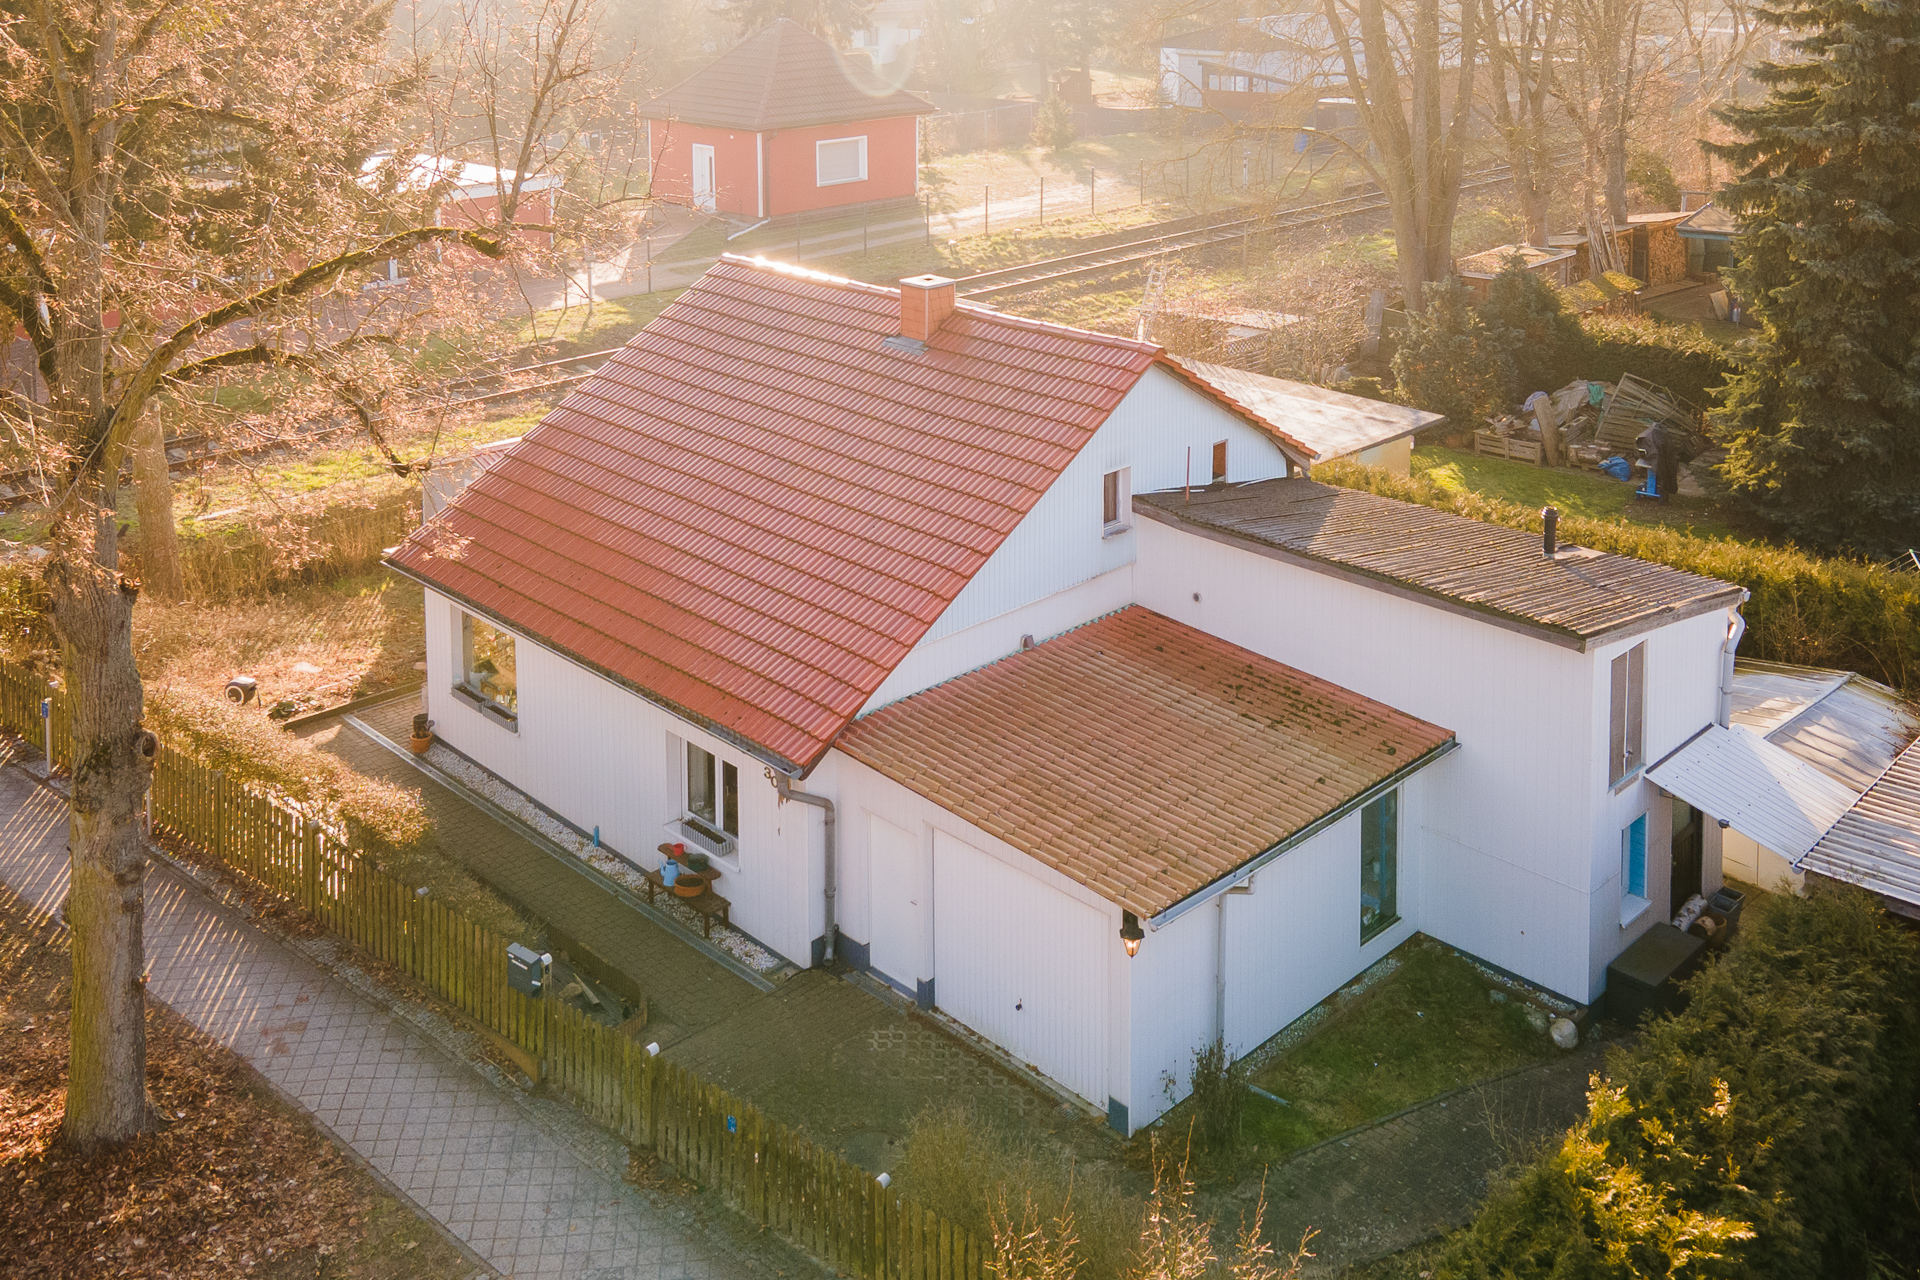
<point x="486" y="665"/>
<point x="1379" y="864"/>
<point x="1633" y="861"/>
<point x="713" y="794"/>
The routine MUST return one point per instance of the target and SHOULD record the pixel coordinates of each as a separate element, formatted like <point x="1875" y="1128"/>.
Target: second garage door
<point x="1021" y="963"/>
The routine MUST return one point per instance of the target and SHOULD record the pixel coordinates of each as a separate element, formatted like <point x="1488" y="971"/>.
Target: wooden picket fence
<point x="777" y="1177"/>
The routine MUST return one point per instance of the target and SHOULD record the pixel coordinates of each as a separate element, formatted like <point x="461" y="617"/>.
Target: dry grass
<point x="995" y="1180"/>
<point x="236" y="1183"/>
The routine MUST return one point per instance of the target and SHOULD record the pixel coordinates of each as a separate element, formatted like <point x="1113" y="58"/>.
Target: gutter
<point x="784" y="785"/>
<point x="1246" y="871"/>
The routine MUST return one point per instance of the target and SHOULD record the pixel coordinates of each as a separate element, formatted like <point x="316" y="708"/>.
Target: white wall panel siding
<point x="1020" y="964"/>
<point x="901" y="898"/>
<point x="1059" y="543"/>
<point x="598" y="755"/>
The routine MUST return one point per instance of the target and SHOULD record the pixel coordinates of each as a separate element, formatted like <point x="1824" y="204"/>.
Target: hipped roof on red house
<point x="754" y="510"/>
<point x="782" y="77"/>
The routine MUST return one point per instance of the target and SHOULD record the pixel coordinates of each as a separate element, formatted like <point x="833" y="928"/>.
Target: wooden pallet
<point x="1492" y="444"/>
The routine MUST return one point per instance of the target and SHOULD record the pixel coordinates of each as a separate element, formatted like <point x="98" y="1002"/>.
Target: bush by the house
<point x="1527" y="316"/>
<point x="1770" y="1130"/>
<point x="1804" y="608"/>
<point x="1678" y="357"/>
<point x="1219" y="1098"/>
<point x="1449" y="361"/>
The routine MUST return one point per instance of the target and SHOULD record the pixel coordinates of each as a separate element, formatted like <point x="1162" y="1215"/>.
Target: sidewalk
<point x="527" y="1200"/>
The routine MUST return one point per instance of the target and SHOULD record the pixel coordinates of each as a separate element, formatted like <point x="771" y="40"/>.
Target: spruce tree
<point x="1822" y="420"/>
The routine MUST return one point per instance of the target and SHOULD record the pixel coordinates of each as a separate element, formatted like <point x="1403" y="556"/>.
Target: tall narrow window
<point x="1220" y="462"/>
<point x="713" y="794"/>
<point x="1627" y="716"/>
<point x="1379" y="864"/>
<point x="1115" y="501"/>
<point x="1633" y="868"/>
<point x="487" y="671"/>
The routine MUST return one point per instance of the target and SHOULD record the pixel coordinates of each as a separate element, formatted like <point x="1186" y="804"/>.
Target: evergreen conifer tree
<point x="1822" y="420"/>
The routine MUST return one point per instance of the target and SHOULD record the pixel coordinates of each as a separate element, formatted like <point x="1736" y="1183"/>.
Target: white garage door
<point x="1022" y="964"/>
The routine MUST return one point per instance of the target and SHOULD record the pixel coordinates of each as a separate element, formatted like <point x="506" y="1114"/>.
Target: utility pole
<point x="1043" y="202"/>
<point x="1093" y="187"/>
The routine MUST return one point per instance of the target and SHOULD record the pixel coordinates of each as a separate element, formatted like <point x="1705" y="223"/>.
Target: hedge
<point x="1804" y="608"/>
<point x="1678" y="357"/>
<point x="1768" y="1131"/>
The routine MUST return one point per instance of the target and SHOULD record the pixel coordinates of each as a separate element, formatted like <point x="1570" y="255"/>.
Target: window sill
<point x="1369" y="934"/>
<point x="724" y="852"/>
<point x="1632" y="908"/>
<point x="507" y="719"/>
<point x="1115" y="530"/>
<point x="1629" y="780"/>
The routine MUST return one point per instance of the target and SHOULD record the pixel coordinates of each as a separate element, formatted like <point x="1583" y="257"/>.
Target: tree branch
<point x="194" y="108"/>
<point x="26" y="308"/>
<point x="104" y="455"/>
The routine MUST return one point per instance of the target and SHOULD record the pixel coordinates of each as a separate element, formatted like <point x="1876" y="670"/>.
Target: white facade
<point x="1508" y="847"/>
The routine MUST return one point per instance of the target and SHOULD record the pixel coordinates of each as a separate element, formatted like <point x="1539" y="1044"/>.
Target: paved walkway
<point x="528" y="1201"/>
<point x="1382" y="1189"/>
<point x="817" y="1052"/>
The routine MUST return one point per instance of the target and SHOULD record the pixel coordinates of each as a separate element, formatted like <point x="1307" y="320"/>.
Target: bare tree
<point x="1600" y="85"/>
<point x="1523" y="44"/>
<point x="1714" y="41"/>
<point x="190" y="245"/>
<point x="1411" y="76"/>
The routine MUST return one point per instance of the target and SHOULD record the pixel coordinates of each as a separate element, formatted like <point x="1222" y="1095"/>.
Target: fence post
<point x="986" y="213"/>
<point x="1043" y="202"/>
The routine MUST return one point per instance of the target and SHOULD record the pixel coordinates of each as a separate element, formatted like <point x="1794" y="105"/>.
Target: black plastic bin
<point x="1643" y="980"/>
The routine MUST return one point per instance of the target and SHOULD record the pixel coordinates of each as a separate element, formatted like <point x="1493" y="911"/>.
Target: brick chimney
<point x="925" y="304"/>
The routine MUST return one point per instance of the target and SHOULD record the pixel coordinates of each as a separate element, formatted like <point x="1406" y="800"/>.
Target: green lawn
<point x="1428" y="1028"/>
<point x="1575" y="493"/>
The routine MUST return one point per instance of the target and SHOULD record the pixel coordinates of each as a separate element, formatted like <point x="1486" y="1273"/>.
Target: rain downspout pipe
<point x="784" y="785"/>
<point x="1736" y="629"/>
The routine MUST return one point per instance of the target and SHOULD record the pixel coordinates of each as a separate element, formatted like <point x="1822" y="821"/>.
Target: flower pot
<point x="419" y="743"/>
<point x="698" y="862"/>
<point x="689" y="884"/>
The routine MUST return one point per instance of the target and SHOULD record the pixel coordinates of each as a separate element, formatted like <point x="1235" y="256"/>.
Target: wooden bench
<point x="709" y="905"/>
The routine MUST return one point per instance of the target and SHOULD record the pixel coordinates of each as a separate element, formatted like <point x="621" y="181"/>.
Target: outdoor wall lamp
<point x="1131" y="932"/>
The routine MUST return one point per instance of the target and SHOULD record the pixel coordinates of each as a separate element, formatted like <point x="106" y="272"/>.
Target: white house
<point x="1022" y="667"/>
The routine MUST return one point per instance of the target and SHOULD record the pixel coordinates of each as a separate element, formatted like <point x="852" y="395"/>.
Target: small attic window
<point x="1116" y="502"/>
<point x="1220" y="462"/>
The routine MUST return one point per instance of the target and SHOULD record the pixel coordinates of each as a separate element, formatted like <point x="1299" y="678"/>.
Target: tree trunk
<point x="113" y="764"/>
<point x="153" y="495"/>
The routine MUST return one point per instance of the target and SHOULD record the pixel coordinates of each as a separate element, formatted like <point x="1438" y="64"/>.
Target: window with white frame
<point x="713" y="796"/>
<point x="837" y="160"/>
<point x="1116" y="501"/>
<point x="1626" y="739"/>
<point x="487" y="672"/>
<point x="1379" y="864"/>
<point x="1633" y="870"/>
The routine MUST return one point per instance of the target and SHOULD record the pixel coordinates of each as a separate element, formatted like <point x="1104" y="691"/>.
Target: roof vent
<point x="1550" y="531"/>
<point x="925" y="303"/>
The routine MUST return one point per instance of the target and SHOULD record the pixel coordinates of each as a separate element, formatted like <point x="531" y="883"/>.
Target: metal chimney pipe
<point x="1550" y="532"/>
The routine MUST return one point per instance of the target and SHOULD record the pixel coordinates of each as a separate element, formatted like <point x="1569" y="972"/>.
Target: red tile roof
<point x="1138" y="756"/>
<point x="755" y="509"/>
<point x="782" y="77"/>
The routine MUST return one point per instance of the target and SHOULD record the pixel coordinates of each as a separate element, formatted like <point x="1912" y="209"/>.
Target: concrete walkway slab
<point x="527" y="1202"/>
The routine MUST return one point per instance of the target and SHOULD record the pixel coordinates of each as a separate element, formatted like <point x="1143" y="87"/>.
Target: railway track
<point x="1096" y="262"/>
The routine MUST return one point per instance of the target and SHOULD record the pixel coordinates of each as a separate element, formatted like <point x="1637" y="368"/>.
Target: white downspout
<point x="1220" y="960"/>
<point x="1736" y="628"/>
<point x="784" y="785"/>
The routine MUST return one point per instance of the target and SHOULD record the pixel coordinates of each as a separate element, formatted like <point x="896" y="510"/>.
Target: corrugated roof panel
<point x="757" y="527"/>
<point x="1138" y="756"/>
<point x="1765" y="793"/>
<point x="1876" y="844"/>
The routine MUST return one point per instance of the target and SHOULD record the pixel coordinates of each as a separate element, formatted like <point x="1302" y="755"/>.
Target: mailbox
<point x="526" y="970"/>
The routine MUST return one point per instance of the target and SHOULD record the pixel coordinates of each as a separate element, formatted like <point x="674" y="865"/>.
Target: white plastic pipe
<point x="1736" y="628"/>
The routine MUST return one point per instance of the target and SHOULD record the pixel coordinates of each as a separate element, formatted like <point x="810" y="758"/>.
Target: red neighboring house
<point x="783" y="123"/>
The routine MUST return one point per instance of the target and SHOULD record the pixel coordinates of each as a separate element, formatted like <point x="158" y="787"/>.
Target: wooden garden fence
<point x="777" y="1177"/>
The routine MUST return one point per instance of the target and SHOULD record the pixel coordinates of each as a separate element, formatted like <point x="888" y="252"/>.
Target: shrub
<point x="1527" y="316"/>
<point x="1804" y="608"/>
<point x="1053" y="124"/>
<point x="1219" y="1098"/>
<point x="1768" y="1131"/>
<point x="1678" y="357"/>
<point x="1652" y="178"/>
<point x="1448" y="362"/>
<point x="1001" y="1184"/>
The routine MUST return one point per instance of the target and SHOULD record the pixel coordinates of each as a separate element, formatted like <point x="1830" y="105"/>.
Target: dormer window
<point x="1116" y="502"/>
